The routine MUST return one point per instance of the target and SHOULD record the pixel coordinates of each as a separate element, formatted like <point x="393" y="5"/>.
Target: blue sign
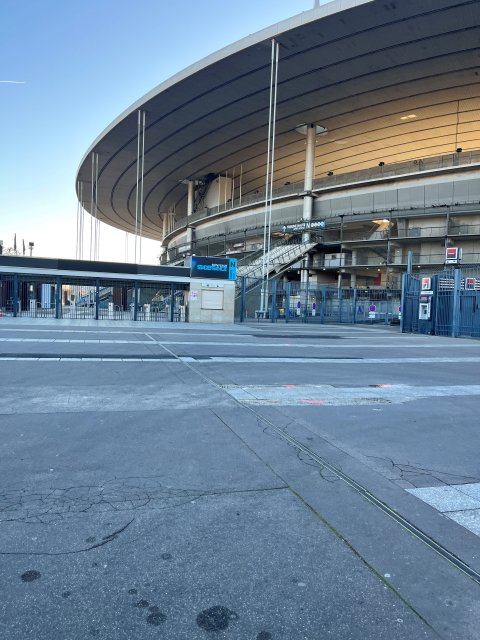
<point x="213" y="268"/>
<point x="232" y="268"/>
<point x="372" y="308"/>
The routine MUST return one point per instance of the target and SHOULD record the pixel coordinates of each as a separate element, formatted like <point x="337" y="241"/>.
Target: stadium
<point x="328" y="154"/>
<point x="323" y="149"/>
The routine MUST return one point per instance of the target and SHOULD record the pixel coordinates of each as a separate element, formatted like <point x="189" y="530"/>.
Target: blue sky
<point x="82" y="64"/>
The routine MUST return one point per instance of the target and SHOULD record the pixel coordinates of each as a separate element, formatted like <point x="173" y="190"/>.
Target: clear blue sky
<point x="83" y="63"/>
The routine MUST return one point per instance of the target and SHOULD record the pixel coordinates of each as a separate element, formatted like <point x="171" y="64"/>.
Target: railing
<point x="400" y="261"/>
<point x="452" y="229"/>
<point x="401" y="168"/>
<point x="374" y="173"/>
<point x="279" y="256"/>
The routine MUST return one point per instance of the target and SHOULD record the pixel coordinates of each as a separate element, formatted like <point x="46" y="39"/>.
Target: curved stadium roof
<point x="358" y="67"/>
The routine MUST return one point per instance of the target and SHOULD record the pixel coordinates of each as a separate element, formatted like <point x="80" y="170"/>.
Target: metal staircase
<point x="278" y="259"/>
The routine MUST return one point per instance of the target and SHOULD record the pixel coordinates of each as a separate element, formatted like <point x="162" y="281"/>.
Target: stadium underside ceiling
<point x="391" y="81"/>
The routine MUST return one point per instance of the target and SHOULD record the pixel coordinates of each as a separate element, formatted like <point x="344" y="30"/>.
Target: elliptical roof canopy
<point x="392" y="80"/>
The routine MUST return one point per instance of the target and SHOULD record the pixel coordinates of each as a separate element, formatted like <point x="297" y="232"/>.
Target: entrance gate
<point x="91" y="298"/>
<point x="450" y="307"/>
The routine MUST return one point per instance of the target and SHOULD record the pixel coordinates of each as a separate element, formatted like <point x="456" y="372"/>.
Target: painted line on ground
<point x="237" y="360"/>
<point x="328" y="395"/>
<point x="326" y="360"/>
<point x="49" y="358"/>
<point x="255" y="345"/>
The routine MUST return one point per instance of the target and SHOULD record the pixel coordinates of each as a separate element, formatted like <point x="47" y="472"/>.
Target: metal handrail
<point x="420" y="165"/>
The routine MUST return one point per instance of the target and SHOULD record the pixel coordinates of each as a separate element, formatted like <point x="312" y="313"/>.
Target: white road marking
<point x="346" y="360"/>
<point x="253" y="344"/>
<point x="85" y="359"/>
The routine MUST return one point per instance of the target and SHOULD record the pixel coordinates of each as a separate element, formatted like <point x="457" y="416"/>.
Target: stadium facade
<point x="331" y="148"/>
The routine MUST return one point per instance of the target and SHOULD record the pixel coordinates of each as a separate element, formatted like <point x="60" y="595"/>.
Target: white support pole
<point x="77" y="245"/>
<point x="97" y="224"/>
<point x="267" y="178"/>
<point x="136" y="191"/>
<point x="241" y="177"/>
<point x="141" y="185"/>
<point x="98" y="249"/>
<point x="82" y="221"/>
<point x="91" y="205"/>
<point x="272" y="161"/>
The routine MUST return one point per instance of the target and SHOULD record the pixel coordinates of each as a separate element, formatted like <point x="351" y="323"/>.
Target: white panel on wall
<point x="212" y="299"/>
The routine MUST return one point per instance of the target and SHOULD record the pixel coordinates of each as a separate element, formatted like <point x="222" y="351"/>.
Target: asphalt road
<point x="263" y="482"/>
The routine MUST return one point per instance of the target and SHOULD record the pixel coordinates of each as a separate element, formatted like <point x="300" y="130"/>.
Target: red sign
<point x="470" y="283"/>
<point x="452" y="255"/>
<point x="426" y="284"/>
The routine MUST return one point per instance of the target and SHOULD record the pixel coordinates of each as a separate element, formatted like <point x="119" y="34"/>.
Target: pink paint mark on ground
<point x="313" y="401"/>
<point x="290" y="386"/>
<point x="382" y="385"/>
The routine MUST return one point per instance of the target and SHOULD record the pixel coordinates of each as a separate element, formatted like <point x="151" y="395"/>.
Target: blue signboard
<point x="213" y="268"/>
<point x="232" y="268"/>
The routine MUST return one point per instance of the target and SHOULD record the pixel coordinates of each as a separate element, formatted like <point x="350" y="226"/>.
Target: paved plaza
<point x="243" y="482"/>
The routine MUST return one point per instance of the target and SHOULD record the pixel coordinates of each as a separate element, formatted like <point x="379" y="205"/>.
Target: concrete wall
<point x="211" y="301"/>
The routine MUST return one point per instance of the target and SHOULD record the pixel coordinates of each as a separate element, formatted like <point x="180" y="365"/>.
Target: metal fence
<point x="91" y="299"/>
<point x="446" y="303"/>
<point x="275" y="301"/>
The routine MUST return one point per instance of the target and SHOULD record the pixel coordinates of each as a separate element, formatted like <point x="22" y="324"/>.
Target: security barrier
<point x="91" y="299"/>
<point x="276" y="301"/>
<point x="445" y="303"/>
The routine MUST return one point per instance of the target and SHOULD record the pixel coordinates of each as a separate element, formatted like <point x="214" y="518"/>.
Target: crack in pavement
<point x="53" y="505"/>
<point x="407" y="471"/>
<point x="119" y="495"/>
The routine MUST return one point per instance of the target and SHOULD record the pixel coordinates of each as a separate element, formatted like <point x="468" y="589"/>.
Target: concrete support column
<point x="308" y="176"/>
<point x="353" y="280"/>
<point x="168" y="223"/>
<point x="311" y="133"/>
<point x="191" y="197"/>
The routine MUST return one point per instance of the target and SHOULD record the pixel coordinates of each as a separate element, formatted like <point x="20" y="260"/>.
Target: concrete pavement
<point x="250" y="481"/>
